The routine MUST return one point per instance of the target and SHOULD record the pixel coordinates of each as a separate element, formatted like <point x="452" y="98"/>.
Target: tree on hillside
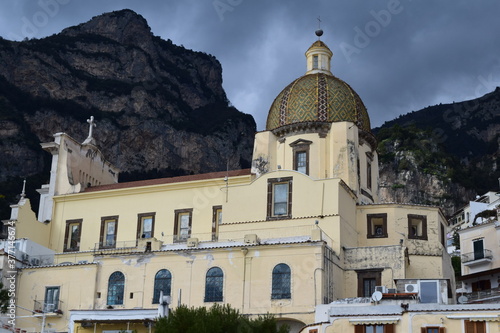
<point x="217" y="319"/>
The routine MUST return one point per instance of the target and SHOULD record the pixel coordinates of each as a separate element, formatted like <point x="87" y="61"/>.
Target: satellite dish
<point x="377" y="296"/>
<point x="463" y="299"/>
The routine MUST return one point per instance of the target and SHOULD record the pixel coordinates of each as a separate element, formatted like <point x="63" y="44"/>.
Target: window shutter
<point x="290" y="198"/>
<point x="269" y="199"/>
<point x="176" y="224"/>
<point x="389" y="328"/>
<point x="190" y="222"/>
<point x="359" y="329"/>
<point x="101" y="237"/>
<point x="139" y="226"/>
<point x="153" y="218"/>
<point x="423" y="329"/>
<point x="424" y="228"/>
<point x="79" y="232"/>
<point x="66" y="235"/>
<point x="442" y="330"/>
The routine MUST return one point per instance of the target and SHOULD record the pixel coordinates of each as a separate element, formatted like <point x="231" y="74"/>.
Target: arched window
<point x="163" y="281"/>
<point x="116" y="288"/>
<point x="213" y="285"/>
<point x="281" y="282"/>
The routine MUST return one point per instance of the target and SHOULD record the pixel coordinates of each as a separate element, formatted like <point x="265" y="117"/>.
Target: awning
<point x="375" y="321"/>
<point x="477" y="317"/>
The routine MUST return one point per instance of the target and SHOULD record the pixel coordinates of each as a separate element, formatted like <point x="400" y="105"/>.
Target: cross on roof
<point x="92" y="124"/>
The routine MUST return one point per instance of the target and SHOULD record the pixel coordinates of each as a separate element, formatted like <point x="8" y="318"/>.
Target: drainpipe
<point x="244" y="250"/>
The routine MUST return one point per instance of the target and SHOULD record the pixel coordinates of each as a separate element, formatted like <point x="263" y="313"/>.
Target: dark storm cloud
<point x="398" y="55"/>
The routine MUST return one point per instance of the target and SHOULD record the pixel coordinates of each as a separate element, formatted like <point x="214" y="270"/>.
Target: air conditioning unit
<point x="25" y="257"/>
<point x="35" y="262"/>
<point x="251" y="239"/>
<point x="192" y="242"/>
<point x="392" y="290"/>
<point x="382" y="289"/>
<point x="411" y="288"/>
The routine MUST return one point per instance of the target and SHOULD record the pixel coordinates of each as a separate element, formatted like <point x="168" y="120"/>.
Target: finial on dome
<point x="319" y="32"/>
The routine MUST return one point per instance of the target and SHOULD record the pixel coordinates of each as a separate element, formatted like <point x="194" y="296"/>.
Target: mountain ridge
<point x="160" y="109"/>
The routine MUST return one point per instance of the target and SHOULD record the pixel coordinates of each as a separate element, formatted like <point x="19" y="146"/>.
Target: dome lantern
<point x="318" y="58"/>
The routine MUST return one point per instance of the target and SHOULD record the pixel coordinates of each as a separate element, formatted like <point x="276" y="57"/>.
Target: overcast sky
<point x="399" y="56"/>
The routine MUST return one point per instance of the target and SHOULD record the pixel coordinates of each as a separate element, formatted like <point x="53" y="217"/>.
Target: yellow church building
<point x="303" y="227"/>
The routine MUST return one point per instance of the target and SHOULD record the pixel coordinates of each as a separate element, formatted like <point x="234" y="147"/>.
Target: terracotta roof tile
<point x="179" y="179"/>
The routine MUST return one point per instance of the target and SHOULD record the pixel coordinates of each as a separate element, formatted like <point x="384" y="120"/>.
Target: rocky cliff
<point x="160" y="108"/>
<point x="442" y="155"/>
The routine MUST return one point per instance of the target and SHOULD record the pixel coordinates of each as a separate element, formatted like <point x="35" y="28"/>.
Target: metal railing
<point x="47" y="307"/>
<point x="477" y="255"/>
<point x="115" y="247"/>
<point x="492" y="294"/>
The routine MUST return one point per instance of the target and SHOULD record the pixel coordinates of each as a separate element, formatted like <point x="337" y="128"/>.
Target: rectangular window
<point x="475" y="326"/>
<point x="478" y="246"/>
<point x="301" y="155"/>
<point x="387" y="328"/>
<point x="369" y="287"/>
<point x="481" y="285"/>
<point x="377" y="225"/>
<point x="109" y="227"/>
<point x="216" y="220"/>
<point x="429" y="291"/>
<point x="434" y="329"/>
<point x="182" y="225"/>
<point x="315" y="62"/>
<point x="279" y="198"/>
<point x="417" y="226"/>
<point x="72" y="235"/>
<point x="51" y="302"/>
<point x="301" y="162"/>
<point x="145" y="225"/>
<point x="367" y="280"/>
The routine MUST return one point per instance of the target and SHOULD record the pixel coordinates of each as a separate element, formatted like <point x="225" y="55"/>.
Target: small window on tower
<point x="417" y="226"/>
<point x="301" y="149"/>
<point x="315" y="62"/>
<point x="377" y="225"/>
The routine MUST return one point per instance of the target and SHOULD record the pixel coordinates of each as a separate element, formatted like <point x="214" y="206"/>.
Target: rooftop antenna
<point x="319" y="32"/>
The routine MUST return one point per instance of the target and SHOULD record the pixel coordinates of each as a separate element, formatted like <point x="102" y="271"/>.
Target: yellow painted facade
<point x="414" y="320"/>
<point x="302" y="228"/>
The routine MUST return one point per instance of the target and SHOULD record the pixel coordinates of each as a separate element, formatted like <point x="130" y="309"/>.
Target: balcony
<point x="477" y="258"/>
<point x="484" y="296"/>
<point x="49" y="309"/>
<point x="103" y="248"/>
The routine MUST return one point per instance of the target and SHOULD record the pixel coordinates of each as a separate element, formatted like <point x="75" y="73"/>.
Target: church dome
<point x="318" y="96"/>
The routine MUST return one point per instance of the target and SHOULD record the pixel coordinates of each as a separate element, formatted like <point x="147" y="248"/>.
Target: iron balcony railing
<point x="47" y="307"/>
<point x="477" y="255"/>
<point x="486" y="296"/>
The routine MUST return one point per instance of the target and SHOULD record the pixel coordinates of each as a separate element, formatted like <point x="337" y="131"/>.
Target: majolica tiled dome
<point x="317" y="97"/>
